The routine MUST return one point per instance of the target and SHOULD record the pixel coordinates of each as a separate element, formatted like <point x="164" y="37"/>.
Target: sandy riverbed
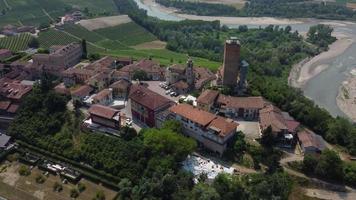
<point x="308" y="68"/>
<point x="346" y="99"/>
<point x="224" y="20"/>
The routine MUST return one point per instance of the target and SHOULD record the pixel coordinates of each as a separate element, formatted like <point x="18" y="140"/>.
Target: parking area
<point x="154" y="86"/>
<point x="250" y="129"/>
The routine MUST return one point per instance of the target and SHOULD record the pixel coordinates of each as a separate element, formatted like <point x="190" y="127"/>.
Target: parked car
<point x="168" y="92"/>
<point x="128" y="122"/>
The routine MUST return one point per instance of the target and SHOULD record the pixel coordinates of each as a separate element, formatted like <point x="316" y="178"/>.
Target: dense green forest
<point x="271" y="52"/>
<point x="267" y="8"/>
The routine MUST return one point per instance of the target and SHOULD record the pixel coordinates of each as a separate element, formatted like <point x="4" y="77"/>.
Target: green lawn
<point x="129" y="34"/>
<point x="165" y="57"/>
<point x="16" y="43"/>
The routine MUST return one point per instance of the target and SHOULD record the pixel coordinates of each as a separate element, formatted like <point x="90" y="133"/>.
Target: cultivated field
<point x="54" y="37"/>
<point x="16" y="187"/>
<point x="104" y="22"/>
<point x="16" y="43"/>
<point x="129" y="34"/>
<point x="34" y="12"/>
<point x="83" y="33"/>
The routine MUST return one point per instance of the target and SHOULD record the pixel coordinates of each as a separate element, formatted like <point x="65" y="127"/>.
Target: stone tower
<point x="231" y="66"/>
<point x="189" y="73"/>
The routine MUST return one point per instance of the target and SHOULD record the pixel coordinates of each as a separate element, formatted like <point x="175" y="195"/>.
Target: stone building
<point x="182" y="78"/>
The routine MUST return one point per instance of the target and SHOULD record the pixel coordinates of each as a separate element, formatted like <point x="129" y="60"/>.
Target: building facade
<point x="210" y="131"/>
<point x="146" y="105"/>
<point x="105" y="116"/>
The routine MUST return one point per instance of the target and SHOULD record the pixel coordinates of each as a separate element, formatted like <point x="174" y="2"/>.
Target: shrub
<point x="74" y="193"/>
<point x="81" y="187"/>
<point x="24" y="170"/>
<point x="40" y="179"/>
<point x="57" y="187"/>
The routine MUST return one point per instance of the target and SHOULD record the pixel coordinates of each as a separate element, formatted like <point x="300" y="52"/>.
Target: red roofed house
<point x="211" y="131"/>
<point x="232" y="107"/>
<point x="240" y="107"/>
<point x="311" y="142"/>
<point x="105" y="116"/>
<point x="207" y="100"/>
<point x="153" y="70"/>
<point x="121" y="88"/>
<point x="146" y="104"/>
<point x="80" y="93"/>
<point x="104" y="97"/>
<point x="13" y="91"/>
<point x="283" y="126"/>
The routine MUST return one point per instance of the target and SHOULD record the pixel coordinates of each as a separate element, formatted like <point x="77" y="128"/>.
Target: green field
<point x="83" y="33"/>
<point x="129" y="34"/>
<point x="34" y="12"/>
<point x="16" y="43"/>
<point x="54" y="37"/>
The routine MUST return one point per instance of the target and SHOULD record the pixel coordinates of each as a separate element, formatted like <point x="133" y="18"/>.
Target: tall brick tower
<point x="231" y="66"/>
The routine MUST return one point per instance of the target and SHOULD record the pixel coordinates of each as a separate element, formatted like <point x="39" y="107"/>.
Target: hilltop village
<point x="118" y="92"/>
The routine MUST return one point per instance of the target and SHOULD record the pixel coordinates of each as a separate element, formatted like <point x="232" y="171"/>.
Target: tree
<point x="94" y="56"/>
<point x="321" y="35"/>
<point x="43" y="51"/>
<point x="34" y="43"/>
<point x="240" y="145"/>
<point x="173" y="125"/>
<point x="267" y="139"/>
<point x="309" y="164"/>
<point x="330" y="166"/>
<point x="125" y="187"/>
<point x="202" y="191"/>
<point x="128" y="133"/>
<point x="140" y="75"/>
<point x="166" y="142"/>
<point x="84" y="48"/>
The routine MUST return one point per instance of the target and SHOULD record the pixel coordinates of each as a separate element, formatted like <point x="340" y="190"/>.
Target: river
<point x="323" y="87"/>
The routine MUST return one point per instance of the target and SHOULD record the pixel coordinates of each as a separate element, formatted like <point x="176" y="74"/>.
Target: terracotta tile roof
<point x="82" y="91"/>
<point x="272" y="116"/>
<point x="103" y="63"/>
<point x="121" y="84"/>
<point x="148" y="98"/>
<point x="61" y="89"/>
<point x="146" y="65"/>
<point x="241" y="102"/>
<point x="310" y="139"/>
<point x="181" y="85"/>
<point x="4" y="105"/>
<point x="103" y="111"/>
<point x="196" y="115"/>
<point x="223" y="126"/>
<point x="203" y="76"/>
<point x="13" y="108"/>
<point x="208" y="97"/>
<point x="78" y="71"/>
<point x="102" y="94"/>
<point x="177" y="68"/>
<point x="12" y="89"/>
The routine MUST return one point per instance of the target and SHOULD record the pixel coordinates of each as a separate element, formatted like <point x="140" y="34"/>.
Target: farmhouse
<point x="105" y="116"/>
<point x="211" y="131"/>
<point x="310" y="142"/>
